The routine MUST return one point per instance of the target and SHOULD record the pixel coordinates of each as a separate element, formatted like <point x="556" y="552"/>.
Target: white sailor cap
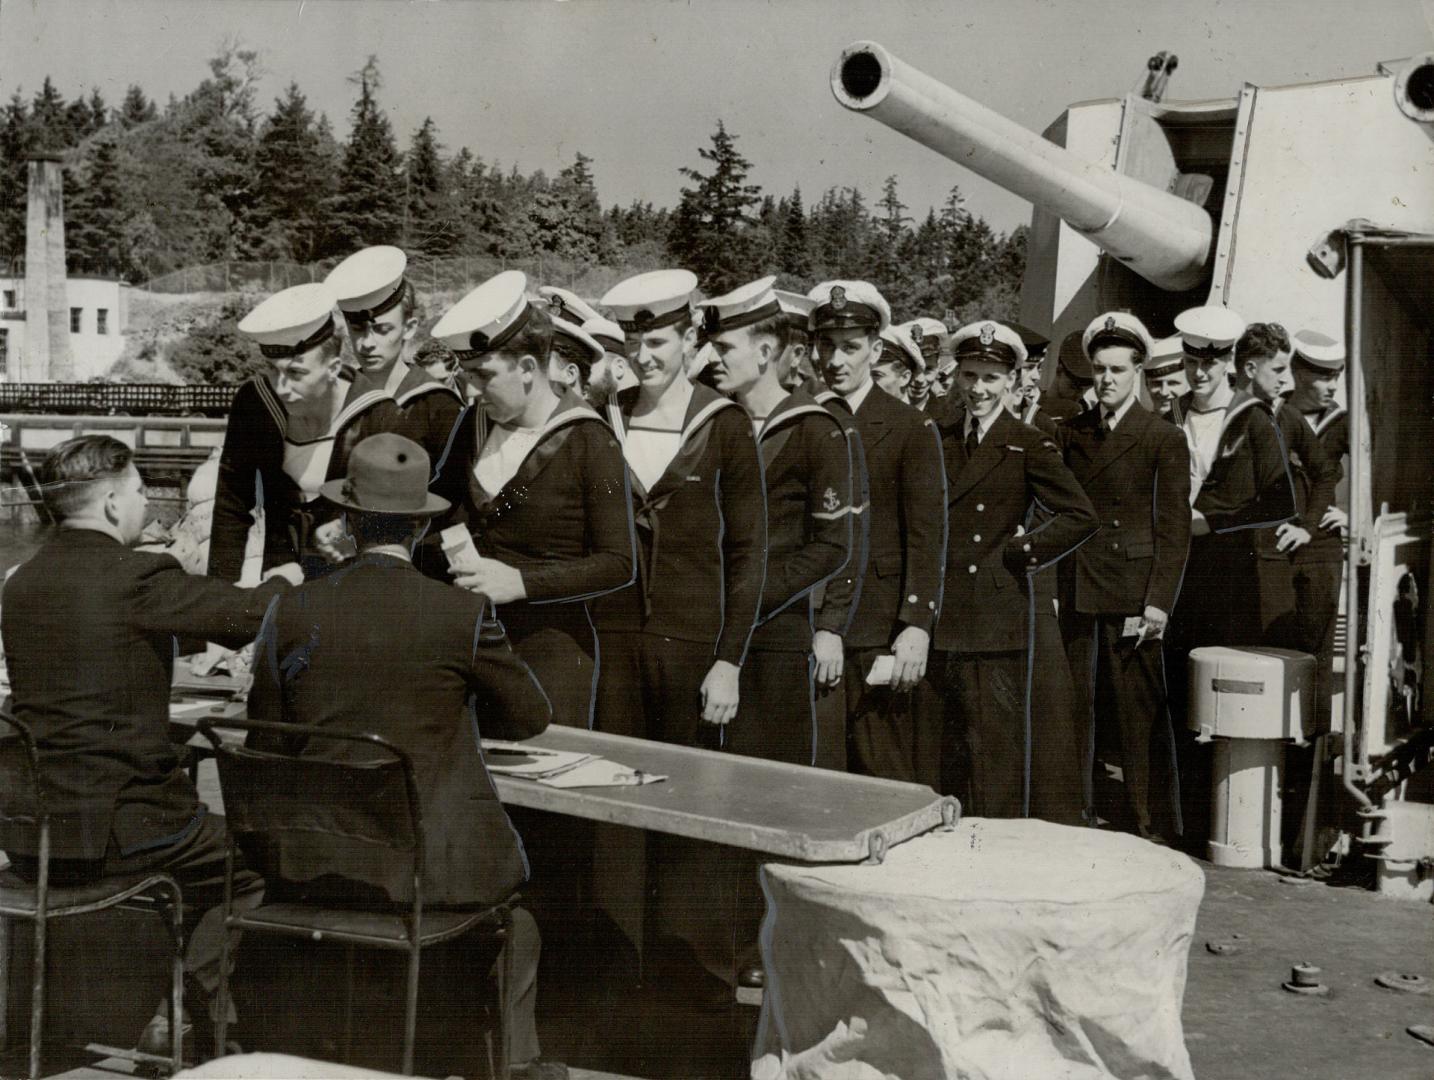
<point x="797" y="308"/>
<point x="1167" y="356"/>
<point x="898" y="341"/>
<point x="988" y="340"/>
<point x="488" y="317"/>
<point x="606" y="333"/>
<point x="566" y="304"/>
<point x="1318" y="350"/>
<point x="292" y="321"/>
<point x="368" y="283"/>
<point x="579" y="338"/>
<point x="849" y="305"/>
<point x="1119" y="328"/>
<point x="745" y="305"/>
<point x="1209" y="332"/>
<point x="652" y="300"/>
<point x="928" y="334"/>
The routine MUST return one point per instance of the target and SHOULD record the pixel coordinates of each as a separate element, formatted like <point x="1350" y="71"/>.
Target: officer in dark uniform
<point x="809" y="520"/>
<point x="899" y="590"/>
<point x="1319" y="565"/>
<point x="538" y="480"/>
<point x="1165" y="380"/>
<point x="1135" y="467"/>
<point x="1240" y="484"/>
<point x="997" y="752"/>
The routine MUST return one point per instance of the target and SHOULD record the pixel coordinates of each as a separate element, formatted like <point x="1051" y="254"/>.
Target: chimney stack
<point x="47" y="306"/>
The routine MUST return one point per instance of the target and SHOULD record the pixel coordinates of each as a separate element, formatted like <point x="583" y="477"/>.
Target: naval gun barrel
<point x="1160" y="236"/>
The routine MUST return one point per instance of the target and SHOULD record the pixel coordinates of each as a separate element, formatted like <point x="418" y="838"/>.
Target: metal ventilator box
<point x="1251" y="693"/>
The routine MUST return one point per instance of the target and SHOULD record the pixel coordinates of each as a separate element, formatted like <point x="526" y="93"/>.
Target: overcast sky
<point x="638" y="85"/>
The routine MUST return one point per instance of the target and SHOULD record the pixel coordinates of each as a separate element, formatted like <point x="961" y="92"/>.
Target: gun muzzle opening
<point x="861" y="75"/>
<point x="1414" y="89"/>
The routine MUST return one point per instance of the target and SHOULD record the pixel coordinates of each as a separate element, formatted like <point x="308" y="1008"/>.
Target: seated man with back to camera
<point x="319" y="662"/>
<point x="90" y="629"/>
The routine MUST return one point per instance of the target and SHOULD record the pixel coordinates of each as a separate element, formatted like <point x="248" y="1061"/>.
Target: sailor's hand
<point x="334" y="542"/>
<point x="719" y="693"/>
<point x="497" y="581"/>
<point x="1334" y="518"/>
<point x="909" y="651"/>
<point x="830" y="656"/>
<point x="1289" y="536"/>
<point x="1198" y="525"/>
<point x="290" y="572"/>
<point x="1152" y="625"/>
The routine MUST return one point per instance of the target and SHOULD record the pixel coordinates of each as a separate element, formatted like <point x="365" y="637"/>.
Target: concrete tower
<point x="47" y="310"/>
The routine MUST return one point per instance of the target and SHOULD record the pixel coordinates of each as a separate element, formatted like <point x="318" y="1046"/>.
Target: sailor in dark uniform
<point x="673" y="647"/>
<point x="898" y="589"/>
<point x="1024" y="401"/>
<point x="611" y="374"/>
<point x="538" y="481"/>
<point x="379" y="309"/>
<point x="794" y="366"/>
<point x="809" y="520"/>
<point x="1165" y="380"/>
<point x="896" y="369"/>
<point x="1319" y="566"/>
<point x="1263" y="357"/>
<point x="290" y="430"/>
<point x="1135" y="468"/>
<point x="1240" y="484"/>
<point x="380" y="312"/>
<point x="997" y="752"/>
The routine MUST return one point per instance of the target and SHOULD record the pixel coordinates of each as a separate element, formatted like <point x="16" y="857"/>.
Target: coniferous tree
<point x="368" y="207"/>
<point x="429" y="224"/>
<point x="16" y="140"/>
<point x="794" y="252"/>
<point x="295" y="179"/>
<point x="709" y="234"/>
<point x="95" y="215"/>
<point x="136" y="108"/>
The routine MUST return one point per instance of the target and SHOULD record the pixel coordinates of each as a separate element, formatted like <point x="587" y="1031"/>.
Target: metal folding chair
<point x="278" y="790"/>
<point x="22" y="802"/>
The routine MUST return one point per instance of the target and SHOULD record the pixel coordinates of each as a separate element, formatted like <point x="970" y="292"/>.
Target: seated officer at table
<point x="322" y="660"/>
<point x="90" y="631"/>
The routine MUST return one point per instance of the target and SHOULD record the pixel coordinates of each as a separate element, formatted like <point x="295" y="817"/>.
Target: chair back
<point x="278" y="784"/>
<point x="22" y="800"/>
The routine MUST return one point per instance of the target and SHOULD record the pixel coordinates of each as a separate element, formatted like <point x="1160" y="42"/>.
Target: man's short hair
<point x="370" y="530"/>
<point x="1262" y="341"/>
<point x="71" y="471"/>
<point x="433" y="350"/>
<point x="569" y="351"/>
<point x="408" y="306"/>
<point x="774" y="326"/>
<point x="535" y="339"/>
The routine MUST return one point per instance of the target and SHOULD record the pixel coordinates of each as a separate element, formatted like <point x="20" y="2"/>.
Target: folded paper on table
<point x="530" y="762"/>
<point x="599" y="772"/>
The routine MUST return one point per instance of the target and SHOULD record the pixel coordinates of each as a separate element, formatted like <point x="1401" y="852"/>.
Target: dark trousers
<point x="651" y="688"/>
<point x="1059" y="763"/>
<point x="1123" y="688"/>
<point x="1317" y="587"/>
<point x="557" y="643"/>
<point x="984" y="758"/>
<point x="196" y="862"/>
<point x="890" y="735"/>
<point x="776" y="718"/>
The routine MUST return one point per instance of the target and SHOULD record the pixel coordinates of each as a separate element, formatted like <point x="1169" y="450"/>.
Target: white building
<point x="99" y="313"/>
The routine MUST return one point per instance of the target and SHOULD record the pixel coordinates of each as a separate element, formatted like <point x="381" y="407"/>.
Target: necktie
<point x="1108" y="421"/>
<point x="973" y="441"/>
